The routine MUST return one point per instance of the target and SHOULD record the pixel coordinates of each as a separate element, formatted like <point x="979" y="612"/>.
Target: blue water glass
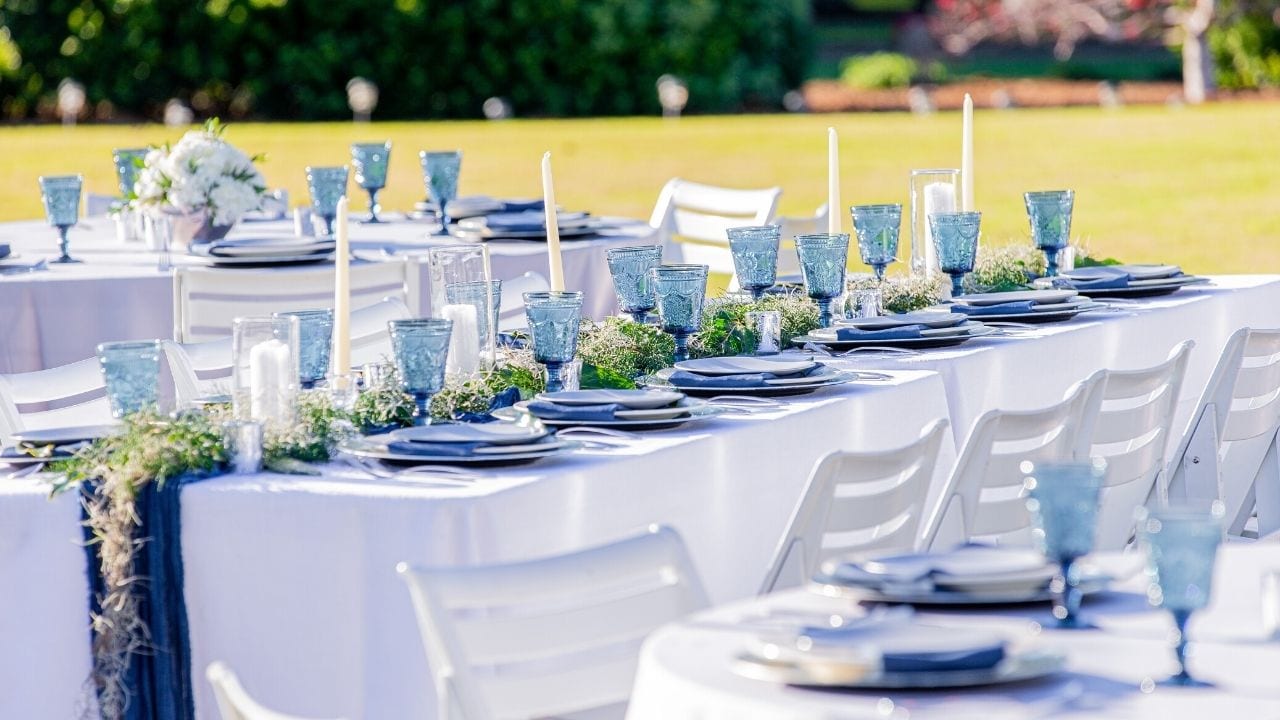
<point x="440" y="173"/>
<point x="421" y="347"/>
<point x="326" y="185"/>
<point x="680" y="290"/>
<point x="132" y="374"/>
<point x="877" y="227"/>
<point x="955" y="239"/>
<point x="1182" y="545"/>
<point x="61" y="197"/>
<point x="315" y="339"/>
<point x="1050" y="214"/>
<point x="128" y="162"/>
<point x="823" y="257"/>
<point x="1063" y="501"/>
<point x="553" y="318"/>
<point x="630" y="268"/>
<point x="486" y="298"/>
<point x="755" y="257"/>
<point x="370" y="160"/>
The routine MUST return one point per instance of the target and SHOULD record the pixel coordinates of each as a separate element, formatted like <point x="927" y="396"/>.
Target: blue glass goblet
<point x="440" y="173"/>
<point x="553" y="318"/>
<point x="680" y="290"/>
<point x="955" y="239"/>
<point x="315" y="339"/>
<point x="486" y="298"/>
<point x="823" y="257"/>
<point x="1063" y="501"/>
<point x="128" y="162"/>
<point x="421" y="347"/>
<point x="1050" y="214"/>
<point x="370" y="161"/>
<point x="61" y="197"/>
<point x="629" y="267"/>
<point x="877" y="228"/>
<point x="755" y="257"/>
<point x="1182" y="545"/>
<point x="132" y="374"/>
<point x="327" y="185"/>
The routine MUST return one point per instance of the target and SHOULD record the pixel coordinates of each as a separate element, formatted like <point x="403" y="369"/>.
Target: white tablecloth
<point x="58" y="316"/>
<point x="685" y="670"/>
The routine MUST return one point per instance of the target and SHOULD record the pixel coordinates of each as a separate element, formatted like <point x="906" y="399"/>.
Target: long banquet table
<point x="59" y="315"/>
<point x="289" y="578"/>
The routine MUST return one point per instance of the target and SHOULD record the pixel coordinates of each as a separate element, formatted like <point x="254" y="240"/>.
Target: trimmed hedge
<point x="291" y="59"/>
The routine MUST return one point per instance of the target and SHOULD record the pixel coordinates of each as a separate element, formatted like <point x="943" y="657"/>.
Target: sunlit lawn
<point x="1198" y="186"/>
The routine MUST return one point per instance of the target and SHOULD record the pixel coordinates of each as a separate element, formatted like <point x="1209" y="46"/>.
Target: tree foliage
<point x="291" y="59"/>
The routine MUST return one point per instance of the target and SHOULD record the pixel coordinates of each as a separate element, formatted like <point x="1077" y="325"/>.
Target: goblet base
<point x="372" y="220"/>
<point x="66" y="260"/>
<point x="1183" y="680"/>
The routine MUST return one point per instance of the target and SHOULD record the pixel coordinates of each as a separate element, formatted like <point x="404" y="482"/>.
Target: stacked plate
<point x="496" y="443"/>
<point x="1126" y="280"/>
<point x="748" y="375"/>
<point x="473" y="205"/>
<point x="966" y="575"/>
<point x="265" y="251"/>
<point x="910" y="330"/>
<point x="1026" y="306"/>
<point x="624" y="409"/>
<point x="39" y="446"/>
<point x="524" y="225"/>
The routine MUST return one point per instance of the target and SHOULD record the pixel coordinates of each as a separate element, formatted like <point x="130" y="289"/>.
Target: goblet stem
<point x="756" y="293"/>
<point x="328" y="224"/>
<point x="824" y="311"/>
<point x="555" y="379"/>
<point x="423" y="414"/>
<point x="1067" y="597"/>
<point x="879" y="270"/>
<point x="682" y="346"/>
<point x="957" y="284"/>
<point x="373" y="206"/>
<point x="1182" y="677"/>
<point x="444" y="220"/>
<point x="1051" y="256"/>
<point x="64" y="245"/>
<point x="639" y="315"/>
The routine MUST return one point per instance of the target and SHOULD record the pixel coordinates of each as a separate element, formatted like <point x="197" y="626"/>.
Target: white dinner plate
<point x="1148" y="272"/>
<point x="1017" y="666"/>
<point x="1039" y="297"/>
<point x="66" y="435"/>
<point x="928" y="319"/>
<point x="821" y="379"/>
<point x="271" y="260"/>
<point x="694" y="411"/>
<point x="745" y="365"/>
<point x="632" y="399"/>
<point x="269" y="247"/>
<point x="497" y="433"/>
<point x="972" y="329"/>
<point x="368" y="448"/>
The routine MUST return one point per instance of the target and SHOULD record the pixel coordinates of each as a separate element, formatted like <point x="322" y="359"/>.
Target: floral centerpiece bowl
<point x="203" y="183"/>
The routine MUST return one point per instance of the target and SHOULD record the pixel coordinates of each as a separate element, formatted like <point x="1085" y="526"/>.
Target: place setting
<point x="752" y="376"/>
<point x="1125" y="281"/>
<point x="629" y="410"/>
<point x="1024" y="306"/>
<point x="907" y="331"/>
<point x="471" y="444"/>
<point x="265" y="251"/>
<point x="37" y="447"/>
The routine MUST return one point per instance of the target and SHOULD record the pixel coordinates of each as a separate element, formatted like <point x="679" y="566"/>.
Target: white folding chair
<point x="511" y="310"/>
<point x="691" y="220"/>
<point x="549" y="636"/>
<point x="1131" y="432"/>
<point x="370" y="336"/>
<point x="987" y="481"/>
<point x="207" y="300"/>
<point x="63" y="396"/>
<point x="1230" y="451"/>
<point x="233" y="702"/>
<point x="857" y="502"/>
<point x="788" y="261"/>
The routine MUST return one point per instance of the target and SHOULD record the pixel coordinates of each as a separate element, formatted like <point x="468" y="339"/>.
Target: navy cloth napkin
<point x="1095" y="278"/>
<point x="1009" y="308"/>
<point x="581" y="413"/>
<point x="979" y="657"/>
<point x="683" y="378"/>
<point x="438" y="449"/>
<point x="902" y="332"/>
<point x="4" y="250"/>
<point x="515" y="206"/>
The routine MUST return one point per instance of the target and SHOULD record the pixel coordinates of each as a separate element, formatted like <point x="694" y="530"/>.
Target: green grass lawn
<point x="1197" y="186"/>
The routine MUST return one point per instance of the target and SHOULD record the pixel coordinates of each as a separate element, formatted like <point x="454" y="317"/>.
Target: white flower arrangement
<point x="202" y="173"/>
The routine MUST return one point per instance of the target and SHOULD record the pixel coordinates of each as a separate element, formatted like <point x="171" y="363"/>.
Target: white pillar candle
<point x="554" y="262"/>
<point x="966" y="158"/>
<point x="269" y="365"/>
<point x="464" y="340"/>
<point x="938" y="197"/>
<point x="342" y="294"/>
<point x="833" y="182"/>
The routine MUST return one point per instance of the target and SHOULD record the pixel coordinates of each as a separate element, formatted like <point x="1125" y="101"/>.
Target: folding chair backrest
<point x="692" y="220"/>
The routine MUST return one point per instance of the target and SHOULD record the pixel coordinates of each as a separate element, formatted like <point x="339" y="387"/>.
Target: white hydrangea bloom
<point x="201" y="172"/>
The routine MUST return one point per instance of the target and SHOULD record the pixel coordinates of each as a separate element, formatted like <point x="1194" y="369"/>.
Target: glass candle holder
<point x="244" y="445"/>
<point x="61" y="197"/>
<point x="629" y="267"/>
<point x="486" y="298"/>
<point x="932" y="191"/>
<point x="327" y="185"/>
<point x="440" y="172"/>
<point x="680" y="290"/>
<point x="955" y="239"/>
<point x="370" y="161"/>
<point x="453" y="265"/>
<point x="132" y="374"/>
<point x="867" y="303"/>
<point x="264" y="372"/>
<point x="823" y="257"/>
<point x="1063" y="502"/>
<point x="553" y="318"/>
<point x="315" y="340"/>
<point x="1049" y="212"/>
<point x="877" y="229"/>
<point x="421" y="348"/>
<point x="767" y="325"/>
<point x="128" y="162"/>
<point x="755" y="257"/>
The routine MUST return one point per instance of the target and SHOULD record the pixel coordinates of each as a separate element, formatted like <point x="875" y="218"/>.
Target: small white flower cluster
<point x="202" y="172"/>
